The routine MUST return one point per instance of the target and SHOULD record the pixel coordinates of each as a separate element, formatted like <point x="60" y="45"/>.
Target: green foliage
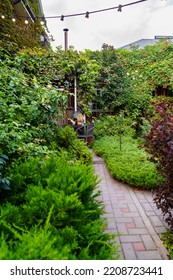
<point x="52" y="213"/>
<point x="28" y="111"/>
<point x="149" y="73"/>
<point x="127" y="162"/>
<point x="4" y="182"/>
<point x="17" y="35"/>
<point x="111" y="83"/>
<point x="113" y="125"/>
<point x="75" y="148"/>
<point x="36" y="244"/>
<point x="160" y="145"/>
<point x="167" y="239"/>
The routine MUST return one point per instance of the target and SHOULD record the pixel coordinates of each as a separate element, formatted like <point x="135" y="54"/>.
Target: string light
<point x="120" y="8"/>
<point x="26" y="21"/>
<point x="86" y="14"/>
<point x="14" y="18"/>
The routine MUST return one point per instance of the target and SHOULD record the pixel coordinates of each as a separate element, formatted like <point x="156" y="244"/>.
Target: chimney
<point x="65" y="38"/>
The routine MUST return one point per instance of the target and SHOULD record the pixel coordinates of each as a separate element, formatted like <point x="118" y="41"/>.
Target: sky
<point x="140" y="21"/>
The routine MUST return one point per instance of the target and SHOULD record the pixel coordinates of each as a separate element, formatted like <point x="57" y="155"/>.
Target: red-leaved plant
<point x="160" y="144"/>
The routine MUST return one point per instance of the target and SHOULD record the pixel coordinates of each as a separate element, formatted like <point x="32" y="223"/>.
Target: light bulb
<point x="87" y="15"/>
<point x="119" y="8"/>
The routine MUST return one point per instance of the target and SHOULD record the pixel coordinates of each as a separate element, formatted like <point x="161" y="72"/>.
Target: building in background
<point x="146" y="42"/>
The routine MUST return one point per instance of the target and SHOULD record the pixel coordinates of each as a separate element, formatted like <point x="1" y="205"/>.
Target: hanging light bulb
<point x="26" y="21"/>
<point x="2" y="16"/>
<point x="13" y="19"/>
<point x="87" y="14"/>
<point x="42" y="21"/>
<point x="62" y="18"/>
<point x="119" y="8"/>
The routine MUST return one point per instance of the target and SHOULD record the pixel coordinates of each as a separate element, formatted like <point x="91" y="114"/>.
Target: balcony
<point x="23" y="10"/>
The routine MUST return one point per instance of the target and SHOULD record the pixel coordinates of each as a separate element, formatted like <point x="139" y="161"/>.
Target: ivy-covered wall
<point x="18" y="35"/>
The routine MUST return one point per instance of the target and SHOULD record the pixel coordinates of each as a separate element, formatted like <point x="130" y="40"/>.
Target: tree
<point x="111" y="83"/>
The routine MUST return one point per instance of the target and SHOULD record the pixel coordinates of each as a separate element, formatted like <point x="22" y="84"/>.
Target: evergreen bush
<point x="53" y="213"/>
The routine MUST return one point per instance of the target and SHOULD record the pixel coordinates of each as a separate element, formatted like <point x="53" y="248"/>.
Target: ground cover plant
<point x="130" y="164"/>
<point x="127" y="161"/>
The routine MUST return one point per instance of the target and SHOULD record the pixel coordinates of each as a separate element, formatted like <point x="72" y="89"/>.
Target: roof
<point x="145" y="42"/>
<point x="23" y="9"/>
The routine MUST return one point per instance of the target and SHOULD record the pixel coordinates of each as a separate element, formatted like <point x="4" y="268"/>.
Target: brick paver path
<point x="133" y="213"/>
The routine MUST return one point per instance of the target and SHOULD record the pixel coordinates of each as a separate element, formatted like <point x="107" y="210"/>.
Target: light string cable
<point x="86" y="14"/>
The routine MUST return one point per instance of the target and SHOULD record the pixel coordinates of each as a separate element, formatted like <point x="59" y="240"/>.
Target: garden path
<point x="133" y="213"/>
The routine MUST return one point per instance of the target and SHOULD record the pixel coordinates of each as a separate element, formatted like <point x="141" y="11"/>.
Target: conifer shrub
<point x="53" y="213"/>
<point x="36" y="244"/>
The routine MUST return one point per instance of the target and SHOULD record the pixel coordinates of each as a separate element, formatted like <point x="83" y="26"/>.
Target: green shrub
<point x="77" y="149"/>
<point x="4" y="182"/>
<point x="113" y="125"/>
<point x="160" y="145"/>
<point x="130" y="163"/>
<point x="54" y="205"/>
<point x="167" y="239"/>
<point x="36" y="244"/>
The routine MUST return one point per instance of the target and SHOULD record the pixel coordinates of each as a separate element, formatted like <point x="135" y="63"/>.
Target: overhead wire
<point x="86" y="14"/>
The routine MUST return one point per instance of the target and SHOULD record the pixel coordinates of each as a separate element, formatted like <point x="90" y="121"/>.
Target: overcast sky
<point x="135" y="22"/>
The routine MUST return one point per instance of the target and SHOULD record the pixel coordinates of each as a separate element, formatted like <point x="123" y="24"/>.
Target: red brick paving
<point x="130" y="225"/>
<point x="133" y="213"/>
<point x="138" y="246"/>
